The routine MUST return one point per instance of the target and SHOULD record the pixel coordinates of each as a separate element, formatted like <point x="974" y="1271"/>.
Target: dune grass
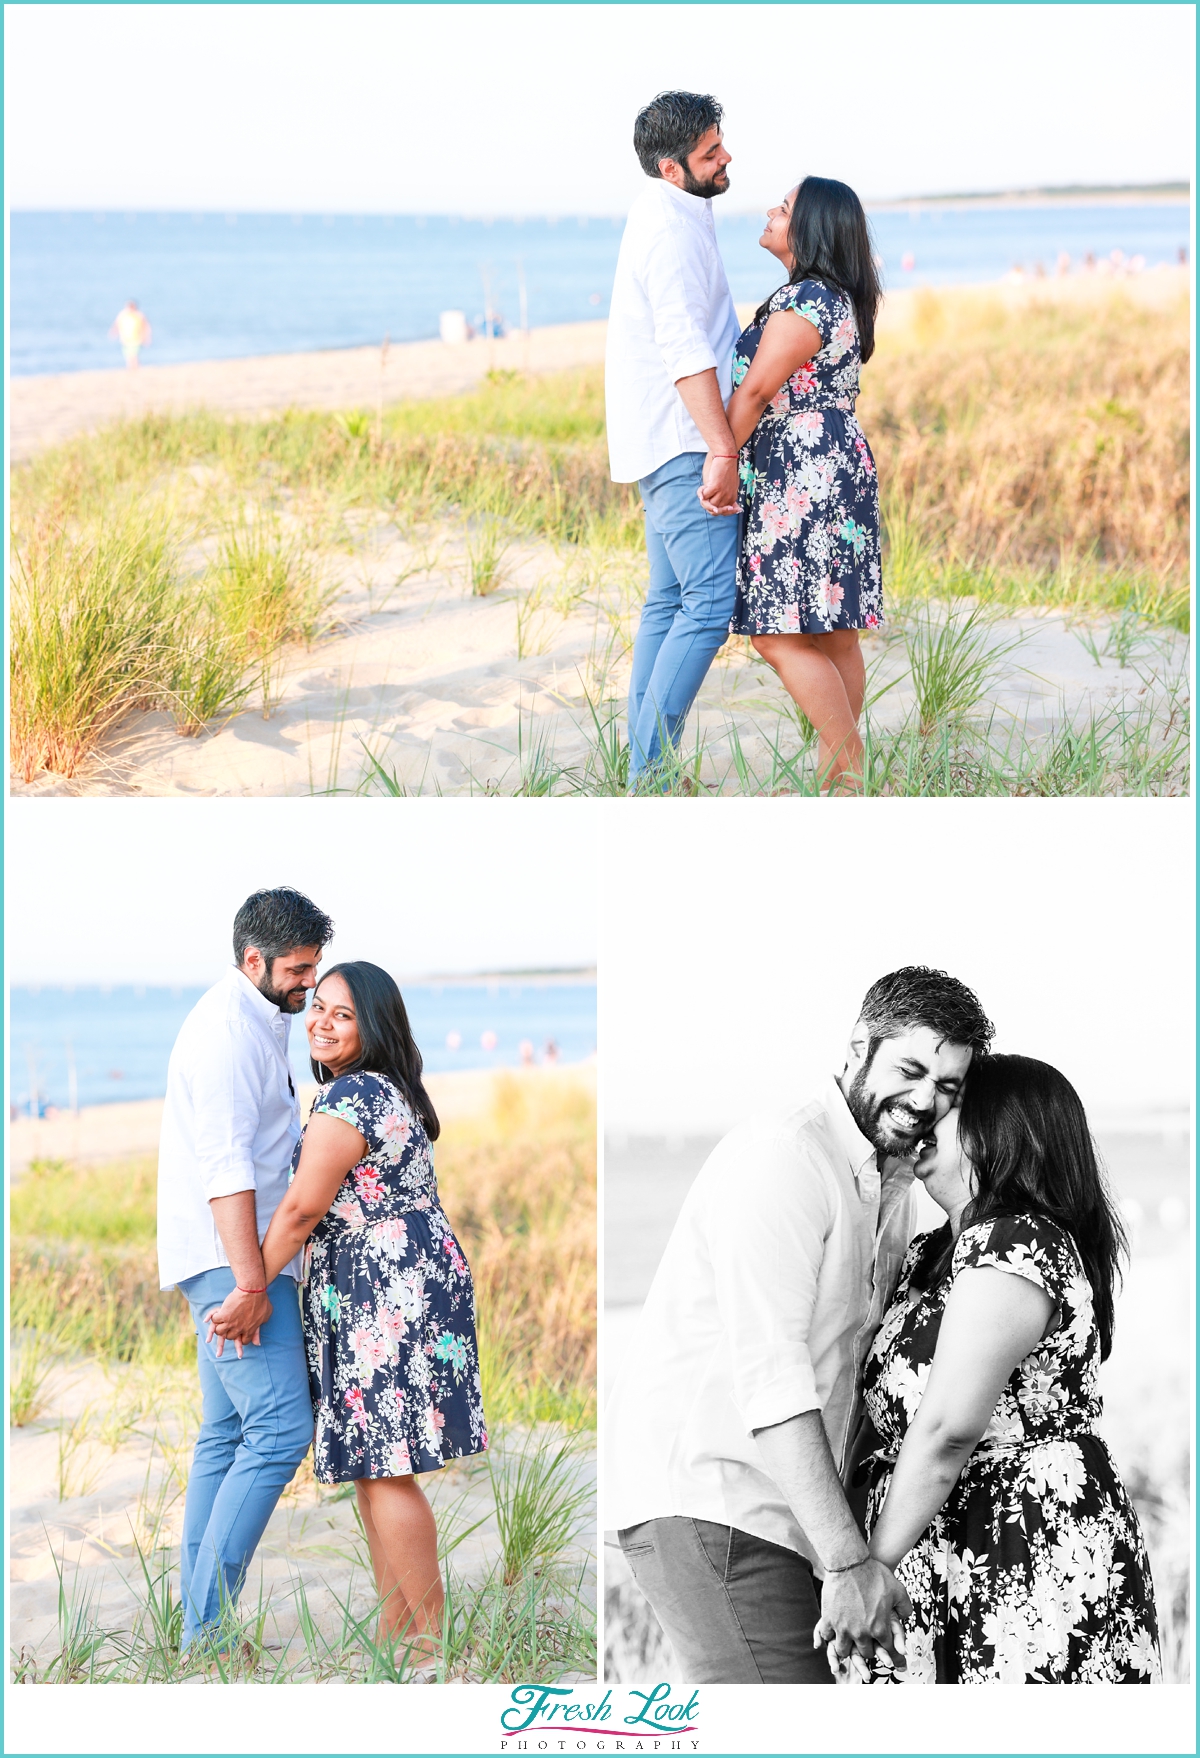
<point x="518" y="1182"/>
<point x="1031" y="456"/>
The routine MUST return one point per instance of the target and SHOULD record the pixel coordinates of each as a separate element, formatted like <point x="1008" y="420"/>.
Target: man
<point x="132" y="330"/>
<point x="730" y="1429"/>
<point x="230" y="1122"/>
<point x="671" y="330"/>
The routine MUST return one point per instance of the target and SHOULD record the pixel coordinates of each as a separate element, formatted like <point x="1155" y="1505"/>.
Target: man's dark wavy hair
<point x="670" y="125"/>
<point x="829" y="240"/>
<point x="388" y="1046"/>
<point x="916" y="995"/>
<point x="1023" y="1128"/>
<point x="276" y="922"/>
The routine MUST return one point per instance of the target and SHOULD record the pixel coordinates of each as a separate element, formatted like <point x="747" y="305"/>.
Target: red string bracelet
<point x="242" y="1290"/>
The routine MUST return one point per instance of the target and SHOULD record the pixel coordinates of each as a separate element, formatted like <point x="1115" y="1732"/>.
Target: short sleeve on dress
<point x="355" y="1098"/>
<point x="1021" y="1245"/>
<point x="813" y="300"/>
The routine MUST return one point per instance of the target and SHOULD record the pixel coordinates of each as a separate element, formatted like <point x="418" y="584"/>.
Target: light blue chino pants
<point x="256" y="1427"/>
<point x="693" y="584"/>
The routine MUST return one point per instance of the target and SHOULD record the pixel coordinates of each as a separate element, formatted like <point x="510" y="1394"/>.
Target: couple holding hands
<point x="762" y="507"/>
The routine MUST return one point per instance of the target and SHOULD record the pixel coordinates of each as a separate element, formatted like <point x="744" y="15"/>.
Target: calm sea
<point x="219" y="286"/>
<point x="118" y="1041"/>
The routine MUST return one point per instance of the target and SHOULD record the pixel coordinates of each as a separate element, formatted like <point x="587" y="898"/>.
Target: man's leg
<point x="737" y="1610"/>
<point x="268" y="1391"/>
<point x="702" y="553"/>
<point x="663" y="599"/>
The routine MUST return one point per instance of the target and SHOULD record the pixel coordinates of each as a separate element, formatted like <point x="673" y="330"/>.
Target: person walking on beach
<point x="132" y="330"/>
<point x="671" y="330"/>
<point x="808" y="571"/>
<point x="729" y="1433"/>
<point x="231" y="1121"/>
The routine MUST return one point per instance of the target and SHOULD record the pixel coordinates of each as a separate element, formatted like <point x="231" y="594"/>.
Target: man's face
<point x="703" y="171"/>
<point x="288" y="978"/>
<point x="899" y="1095"/>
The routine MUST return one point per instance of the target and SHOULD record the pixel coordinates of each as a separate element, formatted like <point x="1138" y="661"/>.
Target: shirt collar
<point x="698" y="206"/>
<point x="858" y="1150"/>
<point x="265" y="1009"/>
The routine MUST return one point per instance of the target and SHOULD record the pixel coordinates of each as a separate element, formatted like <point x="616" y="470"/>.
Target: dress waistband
<point x="1083" y="1430"/>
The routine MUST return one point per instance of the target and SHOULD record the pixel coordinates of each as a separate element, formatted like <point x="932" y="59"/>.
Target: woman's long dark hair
<point x="829" y="241"/>
<point x="387" y="1042"/>
<point x="1023" y="1128"/>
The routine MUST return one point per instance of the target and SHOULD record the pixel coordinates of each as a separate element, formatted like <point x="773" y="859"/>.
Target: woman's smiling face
<point x="332" y="1025"/>
<point x="943" y="1167"/>
<point x="775" y="232"/>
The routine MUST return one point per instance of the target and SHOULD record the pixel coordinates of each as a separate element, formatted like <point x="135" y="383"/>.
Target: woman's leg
<point x="823" y="674"/>
<point x="402" y="1536"/>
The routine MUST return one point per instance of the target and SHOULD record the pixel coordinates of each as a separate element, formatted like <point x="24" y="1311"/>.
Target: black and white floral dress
<point x="388" y="1303"/>
<point x="808" y="533"/>
<point x="1034" y="1571"/>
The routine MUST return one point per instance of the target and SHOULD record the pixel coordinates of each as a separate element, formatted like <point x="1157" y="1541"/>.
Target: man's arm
<point x="702" y="399"/>
<point x="228" y="1082"/>
<point x="236" y="1220"/>
<point x="860" y="1598"/>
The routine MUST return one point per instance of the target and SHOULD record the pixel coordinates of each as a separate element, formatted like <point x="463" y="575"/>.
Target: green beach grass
<point x="1031" y="459"/>
<point x="518" y="1181"/>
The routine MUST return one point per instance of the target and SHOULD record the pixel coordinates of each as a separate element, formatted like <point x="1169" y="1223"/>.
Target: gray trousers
<point x="737" y="1610"/>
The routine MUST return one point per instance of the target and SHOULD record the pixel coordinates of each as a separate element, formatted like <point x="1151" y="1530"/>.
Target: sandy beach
<point x="102" y="1468"/>
<point x="423" y="687"/>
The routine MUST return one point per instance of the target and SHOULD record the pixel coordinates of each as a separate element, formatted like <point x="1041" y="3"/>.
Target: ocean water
<point x="223" y="286"/>
<point x="118" y="1041"/>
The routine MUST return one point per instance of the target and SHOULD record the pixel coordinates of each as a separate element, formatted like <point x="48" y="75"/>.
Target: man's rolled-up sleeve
<point x="227" y="1090"/>
<point x="766" y="1265"/>
<point x="676" y="288"/>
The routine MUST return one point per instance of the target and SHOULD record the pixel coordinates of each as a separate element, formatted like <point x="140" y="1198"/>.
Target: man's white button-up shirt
<point x="671" y="316"/>
<point x="230" y="1122"/>
<point x="778" y="1273"/>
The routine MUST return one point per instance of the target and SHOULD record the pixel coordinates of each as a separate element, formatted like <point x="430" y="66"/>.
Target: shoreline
<point x="49" y="409"/>
<point x="129" y="1128"/>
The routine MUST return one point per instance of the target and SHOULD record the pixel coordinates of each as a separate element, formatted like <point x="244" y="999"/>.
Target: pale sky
<point x="502" y="109"/>
<point x="1071" y="920"/>
<point x="145" y="891"/>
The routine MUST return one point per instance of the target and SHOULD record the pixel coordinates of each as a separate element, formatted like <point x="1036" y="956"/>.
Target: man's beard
<point x="883" y="1133"/>
<point x="286" y="1000"/>
<point x="709" y="188"/>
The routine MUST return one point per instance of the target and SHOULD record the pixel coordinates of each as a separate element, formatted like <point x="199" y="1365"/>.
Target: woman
<point x="997" y="1504"/>
<point x="808" y="556"/>
<point x="388" y="1304"/>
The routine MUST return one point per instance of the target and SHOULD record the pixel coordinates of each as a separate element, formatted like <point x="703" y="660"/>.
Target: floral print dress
<point x="808" y="538"/>
<point x="388" y="1303"/>
<point x="1034" y="1571"/>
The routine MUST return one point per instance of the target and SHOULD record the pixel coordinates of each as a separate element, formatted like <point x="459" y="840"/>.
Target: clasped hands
<point x="237" y="1320"/>
<point x="863" y="1613"/>
<point x="718" y="490"/>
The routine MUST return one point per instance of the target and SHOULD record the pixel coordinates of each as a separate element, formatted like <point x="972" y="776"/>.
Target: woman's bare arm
<point x="788" y="340"/>
<point x="991" y="1322"/>
<point x="331" y="1147"/>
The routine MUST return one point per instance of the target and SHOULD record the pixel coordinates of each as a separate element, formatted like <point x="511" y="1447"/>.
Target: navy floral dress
<point x="1034" y="1571"/>
<point x="808" y="532"/>
<point x="388" y="1303"/>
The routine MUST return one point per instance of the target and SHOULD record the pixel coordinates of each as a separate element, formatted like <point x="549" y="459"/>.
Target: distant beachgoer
<point x="525" y="1048"/>
<point x="671" y="329"/>
<point x="132" y="330"/>
<point x="550" y="1053"/>
<point x="809" y="578"/>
